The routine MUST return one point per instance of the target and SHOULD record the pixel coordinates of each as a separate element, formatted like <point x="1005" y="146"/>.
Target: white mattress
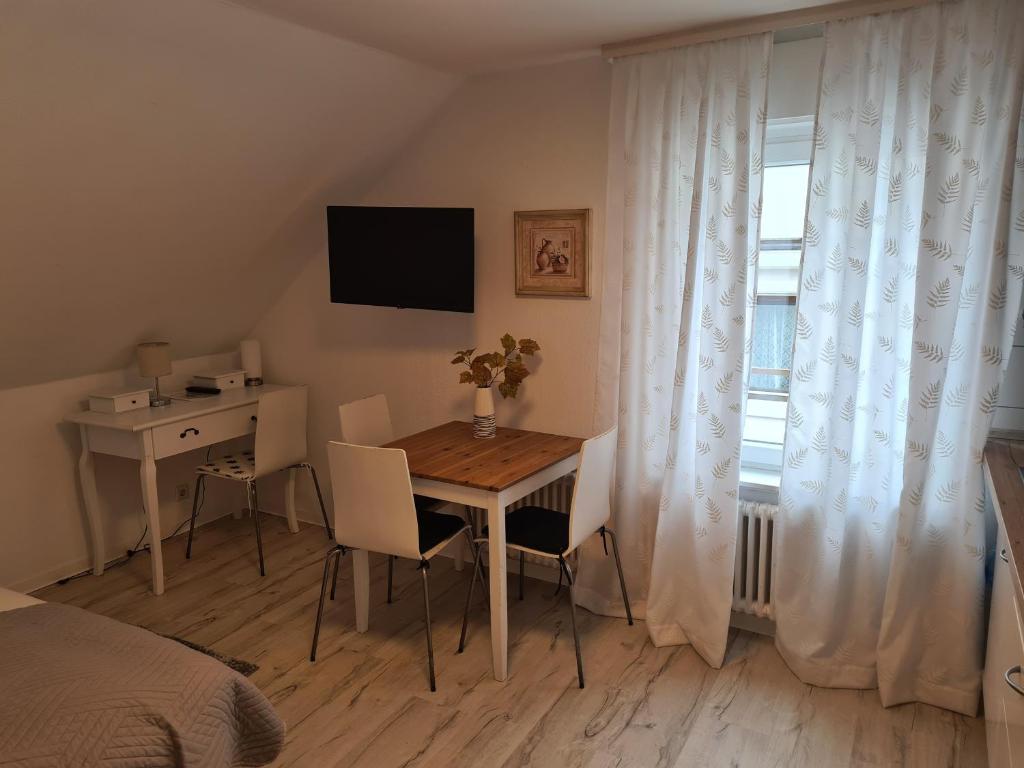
<point x="10" y="600"/>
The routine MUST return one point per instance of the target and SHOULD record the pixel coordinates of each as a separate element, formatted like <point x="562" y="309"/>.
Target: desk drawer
<point x="201" y="431"/>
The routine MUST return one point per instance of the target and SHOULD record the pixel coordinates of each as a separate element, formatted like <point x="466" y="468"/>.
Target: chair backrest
<point x="366" y="421"/>
<point x="591" y="498"/>
<point x="373" y="504"/>
<point x="280" y="430"/>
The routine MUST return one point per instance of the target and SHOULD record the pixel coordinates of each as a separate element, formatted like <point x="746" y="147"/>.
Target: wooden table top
<point x="450" y="454"/>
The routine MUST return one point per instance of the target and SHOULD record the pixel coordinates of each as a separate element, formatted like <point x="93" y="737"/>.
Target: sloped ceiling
<point x="472" y="36"/>
<point x="164" y="164"/>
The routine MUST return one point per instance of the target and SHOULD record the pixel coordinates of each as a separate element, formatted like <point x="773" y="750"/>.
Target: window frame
<point x="788" y="142"/>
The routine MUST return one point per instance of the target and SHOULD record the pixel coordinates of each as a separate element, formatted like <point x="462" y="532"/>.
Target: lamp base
<point x="156" y="401"/>
<point x="256" y="381"/>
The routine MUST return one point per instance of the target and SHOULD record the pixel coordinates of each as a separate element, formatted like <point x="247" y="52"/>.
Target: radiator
<point x="555" y="495"/>
<point x="752" y="579"/>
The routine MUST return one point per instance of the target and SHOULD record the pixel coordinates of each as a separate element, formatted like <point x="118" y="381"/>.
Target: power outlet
<point x="182" y="492"/>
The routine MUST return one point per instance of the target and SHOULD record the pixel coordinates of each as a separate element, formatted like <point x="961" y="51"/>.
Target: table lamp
<point x="155" y="361"/>
<point x="252" y="363"/>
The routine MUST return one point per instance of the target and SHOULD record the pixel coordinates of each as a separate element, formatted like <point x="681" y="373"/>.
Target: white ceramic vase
<point x="484" y="425"/>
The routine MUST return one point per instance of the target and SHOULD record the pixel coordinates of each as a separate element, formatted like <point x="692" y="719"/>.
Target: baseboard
<point x="74" y="567"/>
<point x="51" y="575"/>
<point x="756" y="624"/>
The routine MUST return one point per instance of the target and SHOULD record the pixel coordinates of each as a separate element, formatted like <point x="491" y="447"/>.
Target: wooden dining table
<point x="448" y="463"/>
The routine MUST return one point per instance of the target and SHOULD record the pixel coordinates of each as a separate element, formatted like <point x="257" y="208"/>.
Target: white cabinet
<point x="1003" y="684"/>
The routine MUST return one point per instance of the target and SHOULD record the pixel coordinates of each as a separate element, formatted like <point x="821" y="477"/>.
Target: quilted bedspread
<point x="80" y="690"/>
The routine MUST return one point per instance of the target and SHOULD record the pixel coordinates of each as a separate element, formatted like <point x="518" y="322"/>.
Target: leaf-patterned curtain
<point x="692" y="135"/>
<point x="911" y="285"/>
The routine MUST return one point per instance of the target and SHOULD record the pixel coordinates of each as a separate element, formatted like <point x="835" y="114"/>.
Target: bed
<point x="79" y="689"/>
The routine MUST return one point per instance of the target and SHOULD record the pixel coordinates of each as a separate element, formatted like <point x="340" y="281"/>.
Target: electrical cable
<point x="129" y="554"/>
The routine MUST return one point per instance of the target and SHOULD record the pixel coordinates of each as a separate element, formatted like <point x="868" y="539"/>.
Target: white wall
<point x="159" y="160"/>
<point x="530" y="139"/>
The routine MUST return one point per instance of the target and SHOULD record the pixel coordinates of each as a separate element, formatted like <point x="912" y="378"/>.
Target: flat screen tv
<point x="416" y="258"/>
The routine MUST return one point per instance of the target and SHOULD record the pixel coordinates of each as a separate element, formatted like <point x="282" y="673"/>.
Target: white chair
<point x="553" y="534"/>
<point x="374" y="511"/>
<point x="280" y="444"/>
<point x="368" y="422"/>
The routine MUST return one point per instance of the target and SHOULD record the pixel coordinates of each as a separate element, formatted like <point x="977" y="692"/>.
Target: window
<point x="784" y="195"/>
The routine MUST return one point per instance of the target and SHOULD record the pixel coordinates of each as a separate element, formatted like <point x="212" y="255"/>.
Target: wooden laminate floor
<point x="366" y="701"/>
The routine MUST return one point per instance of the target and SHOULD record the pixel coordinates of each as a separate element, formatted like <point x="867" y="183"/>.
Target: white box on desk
<point x="119" y="402"/>
<point x="222" y="381"/>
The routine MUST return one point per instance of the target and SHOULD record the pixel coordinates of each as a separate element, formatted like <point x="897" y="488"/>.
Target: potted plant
<point x="486" y="369"/>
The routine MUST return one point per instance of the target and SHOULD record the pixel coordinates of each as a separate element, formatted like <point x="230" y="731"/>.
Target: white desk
<point x="155" y="433"/>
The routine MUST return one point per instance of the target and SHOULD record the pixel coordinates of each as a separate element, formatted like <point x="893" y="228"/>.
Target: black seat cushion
<point x="436" y="527"/>
<point x="427" y="503"/>
<point x="537" y="528"/>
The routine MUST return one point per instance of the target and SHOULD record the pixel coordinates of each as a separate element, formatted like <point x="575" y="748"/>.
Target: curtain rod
<point x="753" y="25"/>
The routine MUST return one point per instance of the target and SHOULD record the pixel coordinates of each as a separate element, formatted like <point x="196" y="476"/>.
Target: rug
<point x="242" y="667"/>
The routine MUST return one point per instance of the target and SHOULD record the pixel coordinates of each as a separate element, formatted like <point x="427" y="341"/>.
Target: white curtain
<point x="687" y="138"/>
<point x="911" y="285"/>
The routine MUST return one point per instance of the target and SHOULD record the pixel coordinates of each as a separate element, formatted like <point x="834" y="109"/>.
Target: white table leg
<point x="498" y="579"/>
<point x="87" y="479"/>
<point x="289" y="501"/>
<point x="361" y="580"/>
<point x="147" y="477"/>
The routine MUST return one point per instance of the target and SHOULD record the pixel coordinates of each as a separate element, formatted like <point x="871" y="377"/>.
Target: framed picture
<point x="553" y="253"/>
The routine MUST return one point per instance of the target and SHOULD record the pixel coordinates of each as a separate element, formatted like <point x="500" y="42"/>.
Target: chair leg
<point x="572" y="615"/>
<point x="424" y="568"/>
<point x="469" y="599"/>
<point x="479" y="571"/>
<point x="391" y="575"/>
<point x="622" y="579"/>
<point x="337" y="553"/>
<point x="522" y="575"/>
<point x="334" y="581"/>
<point x="200" y="483"/>
<point x="320" y="497"/>
<point x="254" y="508"/>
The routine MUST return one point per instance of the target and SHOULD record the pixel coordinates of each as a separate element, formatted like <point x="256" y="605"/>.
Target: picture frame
<point x="552" y="253"/>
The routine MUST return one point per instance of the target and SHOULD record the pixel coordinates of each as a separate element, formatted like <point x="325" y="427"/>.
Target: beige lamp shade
<point x="154" y="359"/>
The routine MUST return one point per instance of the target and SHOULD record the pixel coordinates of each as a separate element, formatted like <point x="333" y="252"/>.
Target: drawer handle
<point x="252" y="418"/>
<point x="1003" y="557"/>
<point x="1009" y="680"/>
<point x="190" y="429"/>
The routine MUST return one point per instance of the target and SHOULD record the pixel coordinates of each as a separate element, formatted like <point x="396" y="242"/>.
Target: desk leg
<point x="361" y="580"/>
<point x="147" y="478"/>
<point x="289" y="501"/>
<point x="87" y="479"/>
<point x="499" y="588"/>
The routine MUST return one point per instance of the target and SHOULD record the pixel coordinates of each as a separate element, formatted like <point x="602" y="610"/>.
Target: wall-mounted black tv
<point x="416" y="258"/>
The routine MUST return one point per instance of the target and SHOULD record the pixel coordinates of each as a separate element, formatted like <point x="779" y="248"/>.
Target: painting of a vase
<point x="552" y="253"/>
